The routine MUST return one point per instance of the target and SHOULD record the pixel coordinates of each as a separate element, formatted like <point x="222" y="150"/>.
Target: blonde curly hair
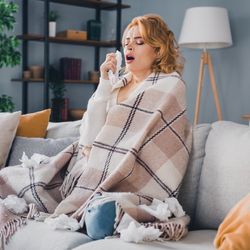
<point x="156" y="33"/>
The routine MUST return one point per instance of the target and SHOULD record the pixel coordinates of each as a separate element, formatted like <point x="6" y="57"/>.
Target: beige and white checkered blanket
<point x="141" y="153"/>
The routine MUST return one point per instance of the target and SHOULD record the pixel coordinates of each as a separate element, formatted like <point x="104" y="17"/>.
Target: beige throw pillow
<point x="8" y="127"/>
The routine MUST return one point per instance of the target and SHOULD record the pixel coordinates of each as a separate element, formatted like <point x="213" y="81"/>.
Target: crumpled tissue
<point x="113" y="77"/>
<point x="15" y="204"/>
<point x="35" y="161"/>
<point x="139" y="234"/>
<point x="63" y="222"/>
<point x="164" y="210"/>
<point x="175" y="207"/>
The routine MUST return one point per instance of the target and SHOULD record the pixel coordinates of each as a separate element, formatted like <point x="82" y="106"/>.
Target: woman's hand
<point x="108" y="64"/>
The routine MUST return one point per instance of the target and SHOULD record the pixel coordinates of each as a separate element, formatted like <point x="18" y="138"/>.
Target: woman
<point x="151" y="55"/>
<point x="149" y="47"/>
<point x="134" y="146"/>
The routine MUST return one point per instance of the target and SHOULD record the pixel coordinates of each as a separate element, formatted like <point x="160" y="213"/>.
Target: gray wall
<point x="231" y="64"/>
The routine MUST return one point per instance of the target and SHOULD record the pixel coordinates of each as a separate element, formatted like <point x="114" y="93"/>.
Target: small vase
<point x="37" y="71"/>
<point x="52" y="29"/>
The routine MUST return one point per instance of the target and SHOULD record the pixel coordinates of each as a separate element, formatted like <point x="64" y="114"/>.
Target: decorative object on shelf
<point x="94" y="75"/>
<point x="73" y="34"/>
<point x="53" y="16"/>
<point x="206" y="28"/>
<point x="94" y="30"/>
<point x="37" y="71"/>
<point x="6" y="104"/>
<point x="9" y="55"/>
<point x="70" y="68"/>
<point x="59" y="102"/>
<point x="76" y="114"/>
<point x="26" y="74"/>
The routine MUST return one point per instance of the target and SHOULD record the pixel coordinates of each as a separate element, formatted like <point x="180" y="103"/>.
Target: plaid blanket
<point x="141" y="153"/>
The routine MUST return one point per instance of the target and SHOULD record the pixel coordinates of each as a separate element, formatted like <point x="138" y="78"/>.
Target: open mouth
<point x="129" y="58"/>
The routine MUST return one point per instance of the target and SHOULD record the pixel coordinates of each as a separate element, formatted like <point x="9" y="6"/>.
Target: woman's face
<point x="139" y="56"/>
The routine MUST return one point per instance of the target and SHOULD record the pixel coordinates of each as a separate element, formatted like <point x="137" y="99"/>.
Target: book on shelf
<point x="70" y="68"/>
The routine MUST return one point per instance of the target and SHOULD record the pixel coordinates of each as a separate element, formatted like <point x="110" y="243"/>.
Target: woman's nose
<point x="130" y="46"/>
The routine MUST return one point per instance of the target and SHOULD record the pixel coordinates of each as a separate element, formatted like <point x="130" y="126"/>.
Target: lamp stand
<point x="206" y="60"/>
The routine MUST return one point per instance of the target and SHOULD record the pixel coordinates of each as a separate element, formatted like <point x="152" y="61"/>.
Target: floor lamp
<point x="206" y="28"/>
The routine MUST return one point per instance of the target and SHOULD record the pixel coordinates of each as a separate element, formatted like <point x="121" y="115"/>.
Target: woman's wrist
<point x="104" y="88"/>
<point x="104" y="75"/>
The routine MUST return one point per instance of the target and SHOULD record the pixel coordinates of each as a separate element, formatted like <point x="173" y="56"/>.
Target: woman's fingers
<point x="108" y="64"/>
<point x="111" y="58"/>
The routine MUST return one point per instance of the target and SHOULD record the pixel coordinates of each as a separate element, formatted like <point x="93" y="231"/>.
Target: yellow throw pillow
<point x="234" y="231"/>
<point x="34" y="124"/>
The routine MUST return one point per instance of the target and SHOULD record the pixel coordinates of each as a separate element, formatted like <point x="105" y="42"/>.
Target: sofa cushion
<point x="189" y="188"/>
<point x="234" y="231"/>
<point x="63" y="129"/>
<point x="40" y="236"/>
<point x="195" y="240"/>
<point x="8" y="127"/>
<point x="225" y="173"/>
<point x="34" y="124"/>
<point x="48" y="147"/>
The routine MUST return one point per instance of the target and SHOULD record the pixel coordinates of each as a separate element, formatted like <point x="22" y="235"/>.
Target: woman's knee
<point x="100" y="220"/>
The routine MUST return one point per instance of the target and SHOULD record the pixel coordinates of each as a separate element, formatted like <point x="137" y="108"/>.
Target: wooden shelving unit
<point x="41" y="80"/>
<point x="95" y="4"/>
<point x="26" y="37"/>
<point x="39" y="38"/>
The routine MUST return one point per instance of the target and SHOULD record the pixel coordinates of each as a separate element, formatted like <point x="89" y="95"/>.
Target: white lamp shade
<point x="206" y="28"/>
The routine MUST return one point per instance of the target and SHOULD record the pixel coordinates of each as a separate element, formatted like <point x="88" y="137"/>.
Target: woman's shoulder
<point x="173" y="77"/>
<point x="168" y="82"/>
<point x="173" y="74"/>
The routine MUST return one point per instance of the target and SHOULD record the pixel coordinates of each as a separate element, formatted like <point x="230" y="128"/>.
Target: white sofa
<point x="217" y="177"/>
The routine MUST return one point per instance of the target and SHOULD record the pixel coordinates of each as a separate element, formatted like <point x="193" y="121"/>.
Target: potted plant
<point x="53" y="16"/>
<point x="9" y="55"/>
<point x="59" y="102"/>
<point x="6" y="104"/>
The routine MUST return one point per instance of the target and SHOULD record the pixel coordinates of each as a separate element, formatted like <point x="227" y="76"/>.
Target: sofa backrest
<point x="225" y="174"/>
<point x="189" y="188"/>
<point x="57" y="130"/>
<point x="59" y="136"/>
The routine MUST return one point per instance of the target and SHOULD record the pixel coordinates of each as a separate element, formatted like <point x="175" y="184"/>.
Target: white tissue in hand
<point x="139" y="234"/>
<point x="113" y="77"/>
<point x="35" y="161"/>
<point x="175" y="207"/>
<point x="63" y="222"/>
<point x="15" y="204"/>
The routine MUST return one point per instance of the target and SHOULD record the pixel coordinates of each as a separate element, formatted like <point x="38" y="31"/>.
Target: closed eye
<point x="139" y="42"/>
